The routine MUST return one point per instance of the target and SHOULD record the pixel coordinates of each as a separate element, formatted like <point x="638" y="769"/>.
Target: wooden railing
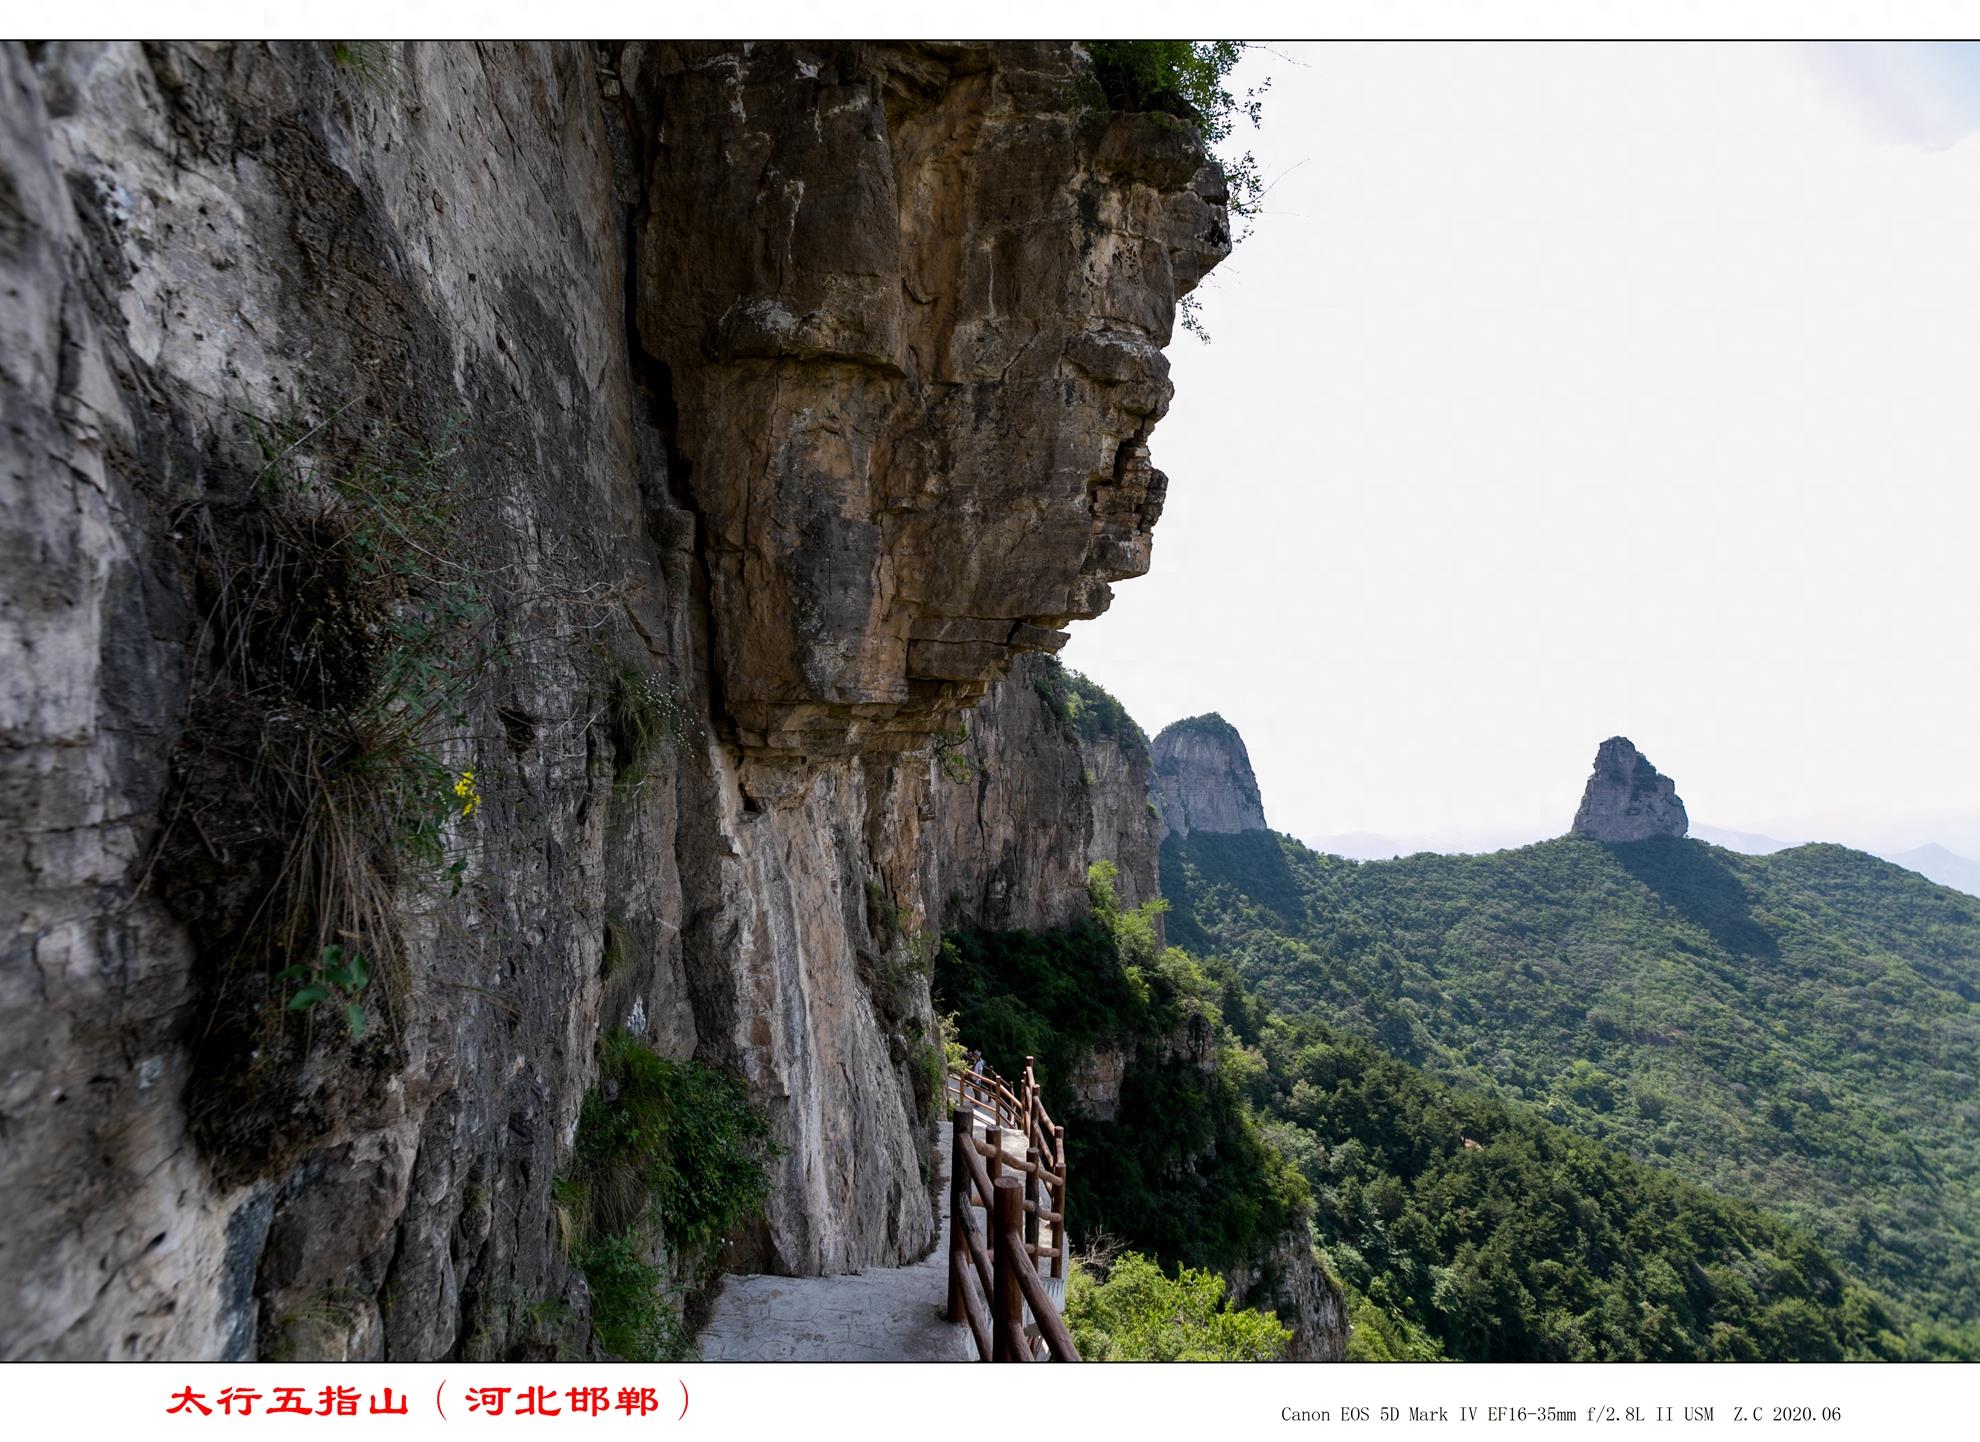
<point x="993" y="1263"/>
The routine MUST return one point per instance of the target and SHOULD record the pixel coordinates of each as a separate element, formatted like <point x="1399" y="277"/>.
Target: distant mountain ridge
<point x="1935" y="863"/>
<point x="1931" y="861"/>
<point x="1747" y="843"/>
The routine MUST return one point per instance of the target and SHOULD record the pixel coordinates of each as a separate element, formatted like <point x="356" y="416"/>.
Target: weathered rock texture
<point x="1289" y="1281"/>
<point x="1205" y="777"/>
<point x="917" y="382"/>
<point x="1029" y="797"/>
<point x="1626" y="799"/>
<point x="789" y="390"/>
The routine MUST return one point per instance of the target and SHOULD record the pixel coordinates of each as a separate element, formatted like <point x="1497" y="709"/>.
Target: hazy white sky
<point x="1573" y="390"/>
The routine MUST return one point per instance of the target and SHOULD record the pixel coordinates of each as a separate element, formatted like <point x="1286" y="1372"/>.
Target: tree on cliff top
<point x="1187" y="79"/>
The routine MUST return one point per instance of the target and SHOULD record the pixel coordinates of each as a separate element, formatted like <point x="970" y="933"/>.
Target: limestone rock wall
<point x="916" y="384"/>
<point x="1290" y="1281"/>
<point x="777" y="395"/>
<point x="1127" y="822"/>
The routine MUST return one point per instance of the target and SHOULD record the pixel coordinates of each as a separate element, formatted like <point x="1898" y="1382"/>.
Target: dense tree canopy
<point x="1799" y="1030"/>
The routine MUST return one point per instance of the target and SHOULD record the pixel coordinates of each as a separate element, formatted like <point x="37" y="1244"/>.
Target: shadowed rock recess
<point x="523" y="512"/>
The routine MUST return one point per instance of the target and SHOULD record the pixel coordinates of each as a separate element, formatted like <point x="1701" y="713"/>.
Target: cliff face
<point x="1290" y="1282"/>
<point x="517" y="511"/>
<point x="1030" y="796"/>
<point x="1206" y="779"/>
<point x="1627" y="799"/>
<point x="917" y="386"/>
<point x="1052" y="777"/>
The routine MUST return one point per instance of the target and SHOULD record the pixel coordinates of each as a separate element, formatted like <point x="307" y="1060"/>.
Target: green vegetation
<point x="1460" y="1224"/>
<point x="1086" y="706"/>
<point x="1187" y="80"/>
<point x="362" y="639"/>
<point x="1210" y="723"/>
<point x="1797" y="1030"/>
<point x="643" y="713"/>
<point x="335" y="974"/>
<point x="1468" y="1227"/>
<point x="1183" y="1170"/>
<point x="317" y="779"/>
<point x="669" y="1157"/>
<point x="1134" y="1312"/>
<point x="952" y="758"/>
<point x="365" y="59"/>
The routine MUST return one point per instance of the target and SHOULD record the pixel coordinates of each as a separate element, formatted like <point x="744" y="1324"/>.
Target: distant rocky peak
<point x="1627" y="799"/>
<point x="1205" y="777"/>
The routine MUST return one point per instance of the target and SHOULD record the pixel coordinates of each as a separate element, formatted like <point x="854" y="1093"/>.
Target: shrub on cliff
<point x="1183" y="78"/>
<point x="1085" y="705"/>
<point x="1188" y="79"/>
<point x="1136" y="1312"/>
<point x="667" y="1150"/>
<point x="1183" y="1171"/>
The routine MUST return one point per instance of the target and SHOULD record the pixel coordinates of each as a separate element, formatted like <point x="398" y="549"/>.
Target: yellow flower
<point x="465" y="789"/>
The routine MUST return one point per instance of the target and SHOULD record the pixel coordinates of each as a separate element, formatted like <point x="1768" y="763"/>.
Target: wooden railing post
<point x="1033" y="1196"/>
<point x="994" y="1163"/>
<point x="958" y="1200"/>
<point x="1059" y="1202"/>
<point x="1007" y="1310"/>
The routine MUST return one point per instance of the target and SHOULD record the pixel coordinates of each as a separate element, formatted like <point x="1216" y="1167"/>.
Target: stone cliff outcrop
<point x="1205" y="777"/>
<point x="1051" y="777"/>
<point x="1290" y="1282"/>
<point x="1627" y="799"/>
<point x="632" y="455"/>
<point x="917" y="384"/>
<point x="1028" y="799"/>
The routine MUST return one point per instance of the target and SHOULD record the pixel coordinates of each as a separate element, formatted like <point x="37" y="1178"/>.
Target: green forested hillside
<point x="1801" y="1030"/>
<point x="1181" y="1170"/>
<point x="1468" y="1227"/>
<point x="1461" y="1225"/>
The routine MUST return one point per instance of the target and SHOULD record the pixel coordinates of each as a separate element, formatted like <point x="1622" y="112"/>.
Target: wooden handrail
<point x="993" y="1277"/>
<point x="1006" y="1111"/>
<point x="1007" y="1287"/>
<point x="1051" y="1326"/>
<point x="1027" y="1163"/>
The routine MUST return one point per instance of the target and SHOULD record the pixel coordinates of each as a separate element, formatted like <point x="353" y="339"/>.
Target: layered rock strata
<point x="752" y="406"/>
<point x="1627" y="799"/>
<point x="917" y="381"/>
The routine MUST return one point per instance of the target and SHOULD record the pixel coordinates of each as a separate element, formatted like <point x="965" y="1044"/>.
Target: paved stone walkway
<point x="886" y="1314"/>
